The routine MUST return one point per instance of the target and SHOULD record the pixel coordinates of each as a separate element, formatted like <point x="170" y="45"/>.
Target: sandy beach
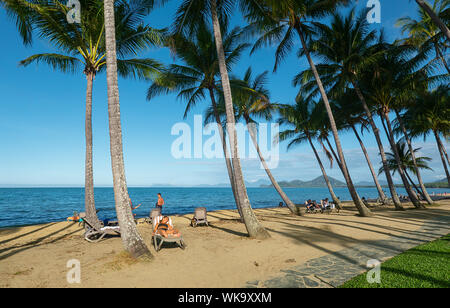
<point x="217" y="256"/>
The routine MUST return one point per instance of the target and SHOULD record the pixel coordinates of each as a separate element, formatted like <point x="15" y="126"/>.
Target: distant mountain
<point x="317" y="182"/>
<point x="438" y="184"/>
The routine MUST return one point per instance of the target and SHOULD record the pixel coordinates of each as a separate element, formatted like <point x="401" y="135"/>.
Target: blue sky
<point x="42" y="121"/>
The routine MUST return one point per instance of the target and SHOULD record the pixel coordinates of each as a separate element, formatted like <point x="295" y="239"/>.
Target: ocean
<point x="28" y="206"/>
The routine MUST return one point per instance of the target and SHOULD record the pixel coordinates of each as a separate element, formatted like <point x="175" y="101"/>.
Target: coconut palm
<point x="347" y="47"/>
<point x="81" y="48"/>
<point x="352" y="115"/>
<point x="131" y="239"/>
<point x="198" y="76"/>
<point x="423" y="32"/>
<point x="251" y="101"/>
<point x="280" y="22"/>
<point x="430" y="114"/>
<point x="299" y="119"/>
<point x="436" y="17"/>
<point x="190" y="15"/>
<point x="407" y="162"/>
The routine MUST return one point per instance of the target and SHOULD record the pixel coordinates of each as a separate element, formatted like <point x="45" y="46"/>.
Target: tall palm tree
<point x="251" y="100"/>
<point x="190" y="14"/>
<point x="301" y="128"/>
<point x="198" y="76"/>
<point x="407" y="162"/>
<point x="280" y="21"/>
<point x="131" y="239"/>
<point x="81" y="48"/>
<point x="435" y="17"/>
<point x="347" y="47"/>
<point x="352" y="115"/>
<point x="423" y="32"/>
<point x="430" y="113"/>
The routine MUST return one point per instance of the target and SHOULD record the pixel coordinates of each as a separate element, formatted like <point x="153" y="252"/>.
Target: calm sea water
<point x="25" y="206"/>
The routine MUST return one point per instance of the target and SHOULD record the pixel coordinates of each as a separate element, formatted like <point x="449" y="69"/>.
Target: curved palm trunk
<point x="372" y="171"/>
<point x="89" y="201"/>
<point x="253" y="226"/>
<point x="440" y="146"/>
<point x="414" y="185"/>
<point x="131" y="239"/>
<point x="425" y="194"/>
<point x="444" y="151"/>
<point x="389" y="133"/>
<point x="435" y="18"/>
<point x="287" y="201"/>
<point x="225" y="152"/>
<point x="362" y="209"/>
<point x="376" y="132"/>
<point x="325" y="176"/>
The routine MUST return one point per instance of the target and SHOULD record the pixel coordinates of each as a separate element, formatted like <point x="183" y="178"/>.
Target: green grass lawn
<point x="425" y="266"/>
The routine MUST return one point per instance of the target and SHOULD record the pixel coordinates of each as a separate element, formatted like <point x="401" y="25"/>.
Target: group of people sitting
<point x="312" y="205"/>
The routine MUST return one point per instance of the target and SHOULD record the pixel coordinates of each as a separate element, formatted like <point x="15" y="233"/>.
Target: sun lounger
<point x="199" y="217"/>
<point x="94" y="235"/>
<point x="164" y="239"/>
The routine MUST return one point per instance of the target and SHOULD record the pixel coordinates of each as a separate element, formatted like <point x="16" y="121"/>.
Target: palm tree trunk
<point x="372" y="170"/>
<point x="413" y="156"/>
<point x="376" y="132"/>
<point x="444" y="151"/>
<point x="441" y="57"/>
<point x="362" y="209"/>
<point x="131" y="239"/>
<point x="253" y="226"/>
<point x="414" y="185"/>
<point x="444" y="163"/>
<point x="325" y="176"/>
<point x="225" y="152"/>
<point x="434" y="17"/>
<point x="390" y="136"/>
<point x="89" y="201"/>
<point x="287" y="201"/>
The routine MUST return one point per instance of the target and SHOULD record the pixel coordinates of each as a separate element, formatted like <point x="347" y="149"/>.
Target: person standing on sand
<point x="160" y="202"/>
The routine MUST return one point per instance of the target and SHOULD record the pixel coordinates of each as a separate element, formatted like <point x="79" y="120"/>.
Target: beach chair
<point x="158" y="239"/>
<point x="94" y="235"/>
<point x="155" y="212"/>
<point x="199" y="217"/>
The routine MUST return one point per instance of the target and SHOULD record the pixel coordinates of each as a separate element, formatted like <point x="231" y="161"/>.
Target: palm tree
<point x="435" y="17"/>
<point x="190" y="14"/>
<point x="352" y="114"/>
<point x="252" y="100"/>
<point x="423" y="33"/>
<point x="82" y="48"/>
<point x="131" y="239"/>
<point x="280" y="21"/>
<point x="300" y="120"/>
<point x="198" y="77"/>
<point x="347" y="47"/>
<point x="407" y="162"/>
<point x="430" y="113"/>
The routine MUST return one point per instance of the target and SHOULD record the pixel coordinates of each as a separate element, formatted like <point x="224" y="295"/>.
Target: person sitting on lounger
<point x="165" y="229"/>
<point x="309" y="204"/>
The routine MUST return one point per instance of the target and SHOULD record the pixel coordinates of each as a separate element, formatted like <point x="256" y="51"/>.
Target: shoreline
<point x="212" y="252"/>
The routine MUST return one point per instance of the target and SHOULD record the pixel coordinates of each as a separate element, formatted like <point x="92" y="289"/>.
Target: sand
<point x="217" y="256"/>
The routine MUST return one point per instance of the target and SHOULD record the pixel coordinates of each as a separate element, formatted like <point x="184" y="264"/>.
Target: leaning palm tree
<point x="436" y="17"/>
<point x="280" y="21"/>
<point x="81" y="48"/>
<point x="131" y="239"/>
<point x="352" y="115"/>
<point x="198" y="76"/>
<point x="190" y="14"/>
<point x="252" y="100"/>
<point x="347" y="47"/>
<point x="429" y="114"/>
<point x="299" y="119"/>
<point x="424" y="34"/>
<point x="407" y="162"/>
